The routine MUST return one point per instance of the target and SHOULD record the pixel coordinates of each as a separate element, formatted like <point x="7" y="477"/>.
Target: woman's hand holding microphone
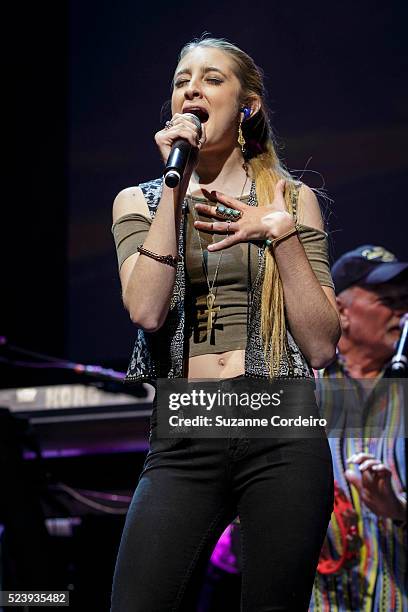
<point x="179" y="143"/>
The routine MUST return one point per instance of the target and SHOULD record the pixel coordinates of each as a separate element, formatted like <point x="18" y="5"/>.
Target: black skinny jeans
<point x="191" y="489"/>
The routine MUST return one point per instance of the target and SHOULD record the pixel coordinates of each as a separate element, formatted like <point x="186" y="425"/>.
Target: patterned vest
<point x="163" y="354"/>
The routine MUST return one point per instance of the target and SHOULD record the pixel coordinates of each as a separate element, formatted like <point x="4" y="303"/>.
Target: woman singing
<point x="226" y="277"/>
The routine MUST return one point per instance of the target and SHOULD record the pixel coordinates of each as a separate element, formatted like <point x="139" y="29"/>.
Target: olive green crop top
<point x="238" y="268"/>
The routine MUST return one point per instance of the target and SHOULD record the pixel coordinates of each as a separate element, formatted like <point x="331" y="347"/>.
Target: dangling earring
<point x="241" y="139"/>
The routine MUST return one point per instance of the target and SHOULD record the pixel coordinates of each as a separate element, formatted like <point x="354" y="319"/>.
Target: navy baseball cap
<point x="366" y="265"/>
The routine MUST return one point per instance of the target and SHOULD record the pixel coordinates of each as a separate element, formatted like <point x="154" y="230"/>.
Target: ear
<point x="343" y="312"/>
<point x="254" y="104"/>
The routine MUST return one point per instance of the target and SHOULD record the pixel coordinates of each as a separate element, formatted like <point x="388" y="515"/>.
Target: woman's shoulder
<point x="141" y="199"/>
<point x="306" y="205"/>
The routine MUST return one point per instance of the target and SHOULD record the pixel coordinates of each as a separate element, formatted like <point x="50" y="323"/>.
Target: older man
<point x="364" y="561"/>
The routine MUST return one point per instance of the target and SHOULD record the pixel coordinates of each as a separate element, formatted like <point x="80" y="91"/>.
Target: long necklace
<point x="211" y="311"/>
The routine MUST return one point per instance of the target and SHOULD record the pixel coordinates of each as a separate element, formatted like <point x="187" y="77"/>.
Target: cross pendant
<point x="211" y="312"/>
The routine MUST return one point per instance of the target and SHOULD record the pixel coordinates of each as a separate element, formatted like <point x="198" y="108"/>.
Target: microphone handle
<point x="399" y="363"/>
<point x="177" y="162"/>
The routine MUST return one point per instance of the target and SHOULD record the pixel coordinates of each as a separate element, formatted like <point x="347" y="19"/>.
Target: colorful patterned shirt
<point x="375" y="580"/>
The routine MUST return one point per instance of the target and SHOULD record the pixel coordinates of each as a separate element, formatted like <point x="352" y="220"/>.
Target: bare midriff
<point x="217" y="365"/>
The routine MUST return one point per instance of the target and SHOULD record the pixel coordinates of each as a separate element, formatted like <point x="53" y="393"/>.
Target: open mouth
<point x="201" y="113"/>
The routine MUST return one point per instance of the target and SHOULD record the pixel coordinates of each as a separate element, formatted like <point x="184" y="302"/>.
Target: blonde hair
<point x="267" y="170"/>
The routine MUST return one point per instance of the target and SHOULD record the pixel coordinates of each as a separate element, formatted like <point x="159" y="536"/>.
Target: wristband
<point x="274" y="242"/>
<point x="169" y="260"/>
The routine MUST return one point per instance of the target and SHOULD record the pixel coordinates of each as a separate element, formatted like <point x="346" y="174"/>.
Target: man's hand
<point x="375" y="487"/>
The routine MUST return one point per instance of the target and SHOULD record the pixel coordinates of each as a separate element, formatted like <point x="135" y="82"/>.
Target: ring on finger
<point x="168" y="125"/>
<point x="231" y="214"/>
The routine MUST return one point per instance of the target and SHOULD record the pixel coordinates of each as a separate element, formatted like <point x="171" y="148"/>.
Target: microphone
<point x="179" y="156"/>
<point x="399" y="363"/>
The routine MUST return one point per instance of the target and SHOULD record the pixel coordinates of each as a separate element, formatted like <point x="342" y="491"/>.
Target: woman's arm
<point x="147" y="284"/>
<point x="310" y="308"/>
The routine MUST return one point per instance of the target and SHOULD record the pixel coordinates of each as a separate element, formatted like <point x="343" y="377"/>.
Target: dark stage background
<point x="90" y="82"/>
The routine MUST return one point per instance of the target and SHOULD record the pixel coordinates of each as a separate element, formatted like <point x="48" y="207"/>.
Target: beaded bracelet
<point x="169" y="260"/>
<point x="275" y="241"/>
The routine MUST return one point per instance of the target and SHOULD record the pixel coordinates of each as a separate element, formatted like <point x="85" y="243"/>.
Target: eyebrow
<point x="204" y="71"/>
